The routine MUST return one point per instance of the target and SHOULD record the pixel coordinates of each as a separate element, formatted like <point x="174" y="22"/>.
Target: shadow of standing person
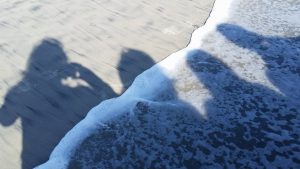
<point x="280" y="54"/>
<point x="250" y="124"/>
<point x="53" y="96"/>
<point x="132" y="63"/>
<point x="153" y="127"/>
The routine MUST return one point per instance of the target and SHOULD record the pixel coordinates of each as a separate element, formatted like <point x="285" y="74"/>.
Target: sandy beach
<point x="61" y="58"/>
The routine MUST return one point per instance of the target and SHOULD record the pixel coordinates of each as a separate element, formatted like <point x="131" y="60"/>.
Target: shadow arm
<point x="93" y="80"/>
<point x="7" y="118"/>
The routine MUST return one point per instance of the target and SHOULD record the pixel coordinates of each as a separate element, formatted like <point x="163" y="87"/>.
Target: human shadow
<point x="153" y="129"/>
<point x="132" y="63"/>
<point x="249" y="125"/>
<point x="280" y="54"/>
<point x="52" y="97"/>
